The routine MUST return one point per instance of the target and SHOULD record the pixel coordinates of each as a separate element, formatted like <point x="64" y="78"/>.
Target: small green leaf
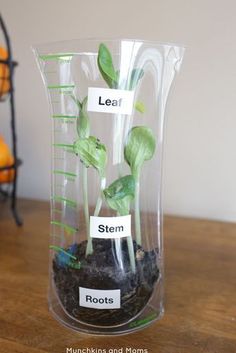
<point x="121" y="206"/>
<point x="120" y="193"/>
<point x="139" y="148"/>
<point x="105" y="66"/>
<point x="140" y="107"/>
<point x="76" y="265"/>
<point x="83" y="120"/>
<point x="120" y="188"/>
<point x="92" y="153"/>
<point x="136" y="75"/>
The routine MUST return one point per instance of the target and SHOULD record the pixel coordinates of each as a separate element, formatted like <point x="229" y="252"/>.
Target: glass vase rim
<point x="154" y="43"/>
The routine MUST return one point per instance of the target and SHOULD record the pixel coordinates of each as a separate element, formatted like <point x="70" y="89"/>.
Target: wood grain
<point x="200" y="262"/>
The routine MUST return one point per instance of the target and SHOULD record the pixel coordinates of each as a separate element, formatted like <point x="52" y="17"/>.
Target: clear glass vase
<point x="107" y="102"/>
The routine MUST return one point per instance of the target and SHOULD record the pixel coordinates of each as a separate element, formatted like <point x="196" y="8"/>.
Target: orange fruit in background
<point x="6" y="159"/>
<point x="4" y="73"/>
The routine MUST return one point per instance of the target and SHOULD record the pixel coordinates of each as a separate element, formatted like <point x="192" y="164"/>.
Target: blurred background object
<point x="6" y="160"/>
<point x="9" y="162"/>
<point x="4" y="73"/>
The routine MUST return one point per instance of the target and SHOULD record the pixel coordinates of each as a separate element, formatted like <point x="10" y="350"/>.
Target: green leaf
<point x="136" y="75"/>
<point x="105" y="66"/>
<point x="139" y="148"/>
<point x="83" y="120"/>
<point x="120" y="188"/>
<point x="121" y="206"/>
<point x="120" y="193"/>
<point x="75" y="265"/>
<point x="92" y="153"/>
<point x="140" y="107"/>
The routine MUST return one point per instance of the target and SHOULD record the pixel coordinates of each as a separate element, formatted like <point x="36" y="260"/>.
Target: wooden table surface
<point x="200" y="263"/>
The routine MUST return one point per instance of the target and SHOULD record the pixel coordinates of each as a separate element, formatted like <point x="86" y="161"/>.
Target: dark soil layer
<point x="101" y="270"/>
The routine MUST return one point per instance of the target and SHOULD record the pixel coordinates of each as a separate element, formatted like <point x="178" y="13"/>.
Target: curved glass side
<point x="107" y="102"/>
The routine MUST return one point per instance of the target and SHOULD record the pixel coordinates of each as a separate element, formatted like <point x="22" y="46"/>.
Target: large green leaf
<point x="119" y="194"/>
<point x="105" y="66"/>
<point x="92" y="153"/>
<point x="110" y="75"/>
<point x="139" y="148"/>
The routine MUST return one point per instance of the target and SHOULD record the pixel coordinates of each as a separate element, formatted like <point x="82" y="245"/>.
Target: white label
<point x="110" y="227"/>
<point x="99" y="299"/>
<point x="107" y="100"/>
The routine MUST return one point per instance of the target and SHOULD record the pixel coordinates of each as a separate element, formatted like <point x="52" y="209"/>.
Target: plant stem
<point x="131" y="253"/>
<point x="137" y="212"/>
<point x="89" y="248"/>
<point x="119" y="253"/>
<point x="130" y="249"/>
<point x="99" y="200"/>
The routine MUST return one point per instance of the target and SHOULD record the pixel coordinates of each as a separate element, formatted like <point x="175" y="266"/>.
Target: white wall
<point x="200" y="153"/>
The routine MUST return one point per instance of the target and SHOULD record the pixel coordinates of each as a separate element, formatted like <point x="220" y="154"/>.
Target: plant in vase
<point x="109" y="264"/>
